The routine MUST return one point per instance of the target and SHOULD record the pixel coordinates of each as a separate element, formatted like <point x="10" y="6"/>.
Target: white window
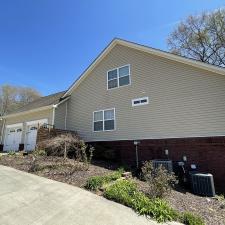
<point x="140" y="101"/>
<point x="118" y="77"/>
<point x="104" y="120"/>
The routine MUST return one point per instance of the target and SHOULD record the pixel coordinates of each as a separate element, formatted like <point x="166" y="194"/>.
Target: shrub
<point x="94" y="183"/>
<point x="121" y="192"/>
<point x="126" y="193"/>
<point x="68" y="145"/>
<point x="39" y="152"/>
<point x="159" y="180"/>
<point x="11" y="153"/>
<point x="191" y="219"/>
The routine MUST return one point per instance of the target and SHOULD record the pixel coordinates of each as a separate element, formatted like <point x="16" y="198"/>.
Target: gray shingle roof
<point x="40" y="102"/>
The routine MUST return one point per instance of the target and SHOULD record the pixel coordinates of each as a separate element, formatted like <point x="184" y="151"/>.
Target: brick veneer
<point x="208" y="153"/>
<point x="46" y="133"/>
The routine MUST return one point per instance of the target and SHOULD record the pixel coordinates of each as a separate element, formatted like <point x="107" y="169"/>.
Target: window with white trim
<point x="104" y="120"/>
<point x="118" y="77"/>
<point x="140" y="101"/>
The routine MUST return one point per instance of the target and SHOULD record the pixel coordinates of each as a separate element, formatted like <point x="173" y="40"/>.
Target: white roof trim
<point x="191" y="62"/>
<point x="14" y="125"/>
<point x="64" y="100"/>
<point x="28" y="111"/>
<point x="42" y="121"/>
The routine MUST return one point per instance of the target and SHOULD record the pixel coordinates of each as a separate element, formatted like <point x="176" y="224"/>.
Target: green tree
<point x="201" y="37"/>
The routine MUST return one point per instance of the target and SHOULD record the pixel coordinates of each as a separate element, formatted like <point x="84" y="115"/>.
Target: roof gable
<point x="160" y="53"/>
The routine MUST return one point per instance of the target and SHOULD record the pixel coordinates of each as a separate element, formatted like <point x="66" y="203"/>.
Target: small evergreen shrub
<point x="189" y="218"/>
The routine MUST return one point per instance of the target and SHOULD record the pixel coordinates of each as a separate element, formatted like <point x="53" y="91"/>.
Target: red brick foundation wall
<point x="208" y="153"/>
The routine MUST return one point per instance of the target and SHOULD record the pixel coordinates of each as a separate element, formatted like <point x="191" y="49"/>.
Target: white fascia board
<point x="28" y="111"/>
<point x="42" y="121"/>
<point x="14" y="125"/>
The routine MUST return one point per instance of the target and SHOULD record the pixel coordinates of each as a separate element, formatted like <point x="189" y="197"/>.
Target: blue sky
<point x="46" y="44"/>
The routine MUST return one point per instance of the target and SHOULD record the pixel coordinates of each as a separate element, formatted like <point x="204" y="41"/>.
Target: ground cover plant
<point x="212" y="210"/>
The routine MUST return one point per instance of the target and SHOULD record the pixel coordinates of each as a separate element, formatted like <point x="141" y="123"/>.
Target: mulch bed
<point x="212" y="210"/>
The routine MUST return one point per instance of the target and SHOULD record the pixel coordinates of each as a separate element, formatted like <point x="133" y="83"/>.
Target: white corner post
<point x="53" y="114"/>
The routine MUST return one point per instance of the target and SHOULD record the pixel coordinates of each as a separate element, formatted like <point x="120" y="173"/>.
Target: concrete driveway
<point x="26" y="199"/>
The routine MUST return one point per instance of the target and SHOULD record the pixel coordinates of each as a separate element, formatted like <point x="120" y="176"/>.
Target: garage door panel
<point x="13" y="138"/>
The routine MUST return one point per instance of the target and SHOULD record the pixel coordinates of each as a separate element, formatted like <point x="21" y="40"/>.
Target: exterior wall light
<point x="184" y="158"/>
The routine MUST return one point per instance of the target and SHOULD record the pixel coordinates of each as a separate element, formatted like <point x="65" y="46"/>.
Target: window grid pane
<point x="124" y="80"/>
<point x="109" y="114"/>
<point x="98" y="116"/>
<point x="112" y="74"/>
<point x="124" y="71"/>
<point x="98" y="126"/>
<point x="113" y="83"/>
<point x="109" y="125"/>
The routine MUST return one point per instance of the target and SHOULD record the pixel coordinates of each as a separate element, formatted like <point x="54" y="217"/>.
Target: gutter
<point x="55" y="107"/>
<point x="35" y="110"/>
<point x="28" y="111"/>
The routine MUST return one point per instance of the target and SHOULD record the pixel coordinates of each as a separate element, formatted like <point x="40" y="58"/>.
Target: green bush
<point x="96" y="182"/>
<point x="126" y="193"/>
<point x="121" y="192"/>
<point x="159" y="180"/>
<point x="39" y="152"/>
<point x="11" y="153"/>
<point x="191" y="219"/>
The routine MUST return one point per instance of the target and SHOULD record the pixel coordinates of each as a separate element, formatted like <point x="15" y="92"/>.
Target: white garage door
<point x="13" y="138"/>
<point x="31" y="137"/>
<point x="31" y="134"/>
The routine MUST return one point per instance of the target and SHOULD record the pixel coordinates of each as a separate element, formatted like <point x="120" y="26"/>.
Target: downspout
<point x="3" y="128"/>
<point x="53" y="115"/>
<point x="66" y="115"/>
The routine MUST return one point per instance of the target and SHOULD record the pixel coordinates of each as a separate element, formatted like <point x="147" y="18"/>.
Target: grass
<point x="189" y="218"/>
<point x="96" y="182"/>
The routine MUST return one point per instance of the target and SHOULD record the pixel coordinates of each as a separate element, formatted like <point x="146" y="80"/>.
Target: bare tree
<point x="13" y="97"/>
<point x="201" y="37"/>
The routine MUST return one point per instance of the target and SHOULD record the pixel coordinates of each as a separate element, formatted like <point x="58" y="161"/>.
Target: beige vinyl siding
<point x="60" y="116"/>
<point x="184" y="101"/>
<point x="45" y="114"/>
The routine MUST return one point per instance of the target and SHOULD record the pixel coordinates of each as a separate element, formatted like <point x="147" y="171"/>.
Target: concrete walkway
<point x="26" y="199"/>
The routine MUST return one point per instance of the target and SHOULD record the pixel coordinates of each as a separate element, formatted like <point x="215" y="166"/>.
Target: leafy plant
<point x="126" y="193"/>
<point x="11" y="153"/>
<point x="189" y="218"/>
<point x="159" y="180"/>
<point x="39" y="152"/>
<point x="96" y="182"/>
